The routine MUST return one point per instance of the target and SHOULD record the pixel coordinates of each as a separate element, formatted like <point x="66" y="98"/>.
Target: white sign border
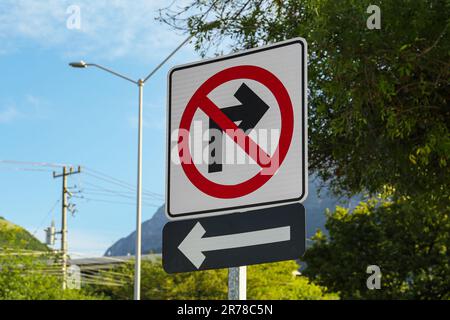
<point x="216" y="212"/>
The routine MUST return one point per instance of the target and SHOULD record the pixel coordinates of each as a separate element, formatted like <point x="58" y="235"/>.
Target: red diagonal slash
<point x="269" y="165"/>
<point x="239" y="137"/>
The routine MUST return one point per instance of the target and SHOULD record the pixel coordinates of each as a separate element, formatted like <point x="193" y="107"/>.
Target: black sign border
<point x="292" y="215"/>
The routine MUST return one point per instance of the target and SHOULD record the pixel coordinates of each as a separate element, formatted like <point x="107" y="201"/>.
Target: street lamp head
<point x="80" y="64"/>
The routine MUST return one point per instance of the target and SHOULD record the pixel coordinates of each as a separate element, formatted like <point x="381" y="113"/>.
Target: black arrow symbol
<point x="249" y="112"/>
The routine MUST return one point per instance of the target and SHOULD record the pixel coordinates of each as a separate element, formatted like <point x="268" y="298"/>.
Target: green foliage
<point x="379" y="110"/>
<point x="269" y="281"/>
<point x="407" y="238"/>
<point x="13" y="236"/>
<point x="158" y="285"/>
<point x="277" y="281"/>
<point x="378" y="118"/>
<point x="26" y="275"/>
<point x="28" y="270"/>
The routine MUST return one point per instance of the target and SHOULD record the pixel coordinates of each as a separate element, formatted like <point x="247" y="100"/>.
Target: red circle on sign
<point x="281" y="95"/>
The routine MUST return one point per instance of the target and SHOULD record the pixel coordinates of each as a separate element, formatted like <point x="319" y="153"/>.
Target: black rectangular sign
<point x="238" y="239"/>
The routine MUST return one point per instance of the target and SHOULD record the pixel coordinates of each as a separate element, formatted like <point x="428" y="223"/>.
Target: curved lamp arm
<point x="83" y="64"/>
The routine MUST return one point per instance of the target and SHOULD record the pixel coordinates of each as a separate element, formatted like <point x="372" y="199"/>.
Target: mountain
<point x="151" y="237"/>
<point x="13" y="236"/>
<point x="315" y="206"/>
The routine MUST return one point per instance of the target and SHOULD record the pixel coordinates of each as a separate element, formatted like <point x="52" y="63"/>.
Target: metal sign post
<point x="237" y="283"/>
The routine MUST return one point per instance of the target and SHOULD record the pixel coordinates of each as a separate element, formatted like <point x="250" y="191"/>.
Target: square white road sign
<point x="237" y="131"/>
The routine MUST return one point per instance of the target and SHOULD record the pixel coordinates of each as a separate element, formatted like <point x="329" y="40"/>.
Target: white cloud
<point x="37" y="107"/>
<point x="109" y="29"/>
<point x="8" y="114"/>
<point x="27" y="107"/>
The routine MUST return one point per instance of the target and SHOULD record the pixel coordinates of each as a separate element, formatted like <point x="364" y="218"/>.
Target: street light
<point x="80" y="64"/>
<point x="140" y="83"/>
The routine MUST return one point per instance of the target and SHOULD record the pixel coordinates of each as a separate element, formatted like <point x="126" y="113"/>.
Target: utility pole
<point x="64" y="207"/>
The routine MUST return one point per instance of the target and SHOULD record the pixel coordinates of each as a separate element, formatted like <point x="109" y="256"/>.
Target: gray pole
<point x="64" y="249"/>
<point x="137" y="271"/>
<point x="64" y="229"/>
<point x="237" y="283"/>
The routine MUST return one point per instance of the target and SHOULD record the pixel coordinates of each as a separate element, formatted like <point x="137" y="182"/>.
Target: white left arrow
<point x="194" y="244"/>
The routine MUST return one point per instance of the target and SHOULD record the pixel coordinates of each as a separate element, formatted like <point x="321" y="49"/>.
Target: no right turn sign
<point x="237" y="132"/>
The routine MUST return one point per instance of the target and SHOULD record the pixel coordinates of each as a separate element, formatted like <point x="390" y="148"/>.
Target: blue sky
<point x="54" y="114"/>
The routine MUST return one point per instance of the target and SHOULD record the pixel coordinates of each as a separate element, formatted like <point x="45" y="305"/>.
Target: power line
<point x="85" y="278"/>
<point x="104" y="257"/>
<point x="109" y="181"/>
<point x="156" y="196"/>
<point x="110" y="194"/>
<point x="103" y="190"/>
<point x="38" y="164"/>
<point x="99" y="189"/>
<point x="106" y="194"/>
<point x="22" y="254"/>
<point x="46" y="216"/>
<point x="100" y="283"/>
<point x="99" y="277"/>
<point x="121" y="182"/>
<point x="20" y="249"/>
<point x="113" y="202"/>
<point x="25" y="169"/>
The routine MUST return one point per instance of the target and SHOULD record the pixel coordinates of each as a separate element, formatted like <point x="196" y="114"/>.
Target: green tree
<point x="378" y="118"/>
<point x="279" y="281"/>
<point x="28" y="270"/>
<point x="268" y="281"/>
<point x="30" y="275"/>
<point x="407" y="238"/>
<point x="378" y="98"/>
<point x="158" y="285"/>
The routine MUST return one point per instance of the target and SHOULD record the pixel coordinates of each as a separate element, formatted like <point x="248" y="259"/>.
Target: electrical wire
<point x="121" y="182"/>
<point x="156" y="197"/>
<point x="38" y="164"/>
<point x="93" y="282"/>
<point x="20" y="249"/>
<point x="99" y="277"/>
<point x="46" y="216"/>
<point x="102" y="194"/>
<point x="84" y="278"/>
<point x="24" y="169"/>
<point x="114" y="202"/>
<point x="102" y="188"/>
<point x="86" y="256"/>
<point x="106" y="271"/>
<point x="99" y="189"/>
